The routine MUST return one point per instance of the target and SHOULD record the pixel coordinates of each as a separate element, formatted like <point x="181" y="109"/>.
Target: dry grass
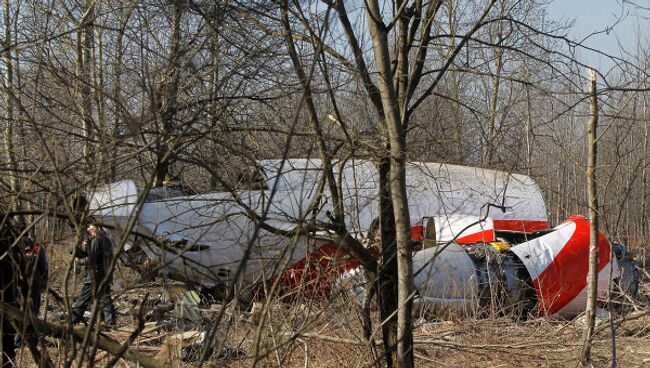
<point x="322" y="333"/>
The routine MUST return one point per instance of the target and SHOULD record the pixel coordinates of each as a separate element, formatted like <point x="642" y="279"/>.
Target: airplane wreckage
<point x="471" y="254"/>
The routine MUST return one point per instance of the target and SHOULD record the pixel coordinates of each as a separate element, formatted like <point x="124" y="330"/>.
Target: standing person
<point x="99" y="256"/>
<point x="37" y="271"/>
<point x="34" y="282"/>
<point x="8" y="289"/>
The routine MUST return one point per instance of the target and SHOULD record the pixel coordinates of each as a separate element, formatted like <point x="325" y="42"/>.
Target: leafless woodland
<point x="94" y="91"/>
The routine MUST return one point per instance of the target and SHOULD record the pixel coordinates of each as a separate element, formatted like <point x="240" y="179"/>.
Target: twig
<point x="427" y="359"/>
<point x="77" y="334"/>
<point x="134" y="335"/>
<point x="625" y="318"/>
<point x="440" y="342"/>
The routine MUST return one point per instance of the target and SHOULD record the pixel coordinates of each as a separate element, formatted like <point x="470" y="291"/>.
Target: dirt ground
<point x="327" y="333"/>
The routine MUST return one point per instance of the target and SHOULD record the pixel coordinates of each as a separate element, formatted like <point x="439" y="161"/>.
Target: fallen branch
<point x="334" y="339"/>
<point x="482" y="348"/>
<point x="439" y="342"/>
<point x="427" y="359"/>
<point x="77" y="334"/>
<point x="500" y="347"/>
<point x="625" y="318"/>
<point x="134" y="335"/>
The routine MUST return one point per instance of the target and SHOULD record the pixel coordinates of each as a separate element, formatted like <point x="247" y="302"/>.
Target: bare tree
<point x="167" y="95"/>
<point x="592" y="277"/>
<point x="149" y="89"/>
<point x="10" y="116"/>
<point x="85" y="65"/>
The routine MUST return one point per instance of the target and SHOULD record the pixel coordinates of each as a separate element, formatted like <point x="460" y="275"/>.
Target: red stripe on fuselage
<point x="566" y="276"/>
<point x="315" y="274"/>
<point x="417" y="232"/>
<point x="482" y="236"/>
<point x="519" y="225"/>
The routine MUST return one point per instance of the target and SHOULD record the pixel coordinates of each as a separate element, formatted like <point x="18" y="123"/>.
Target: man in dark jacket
<point x="36" y="272"/>
<point x="99" y="256"/>
<point x="34" y="282"/>
<point x="8" y="289"/>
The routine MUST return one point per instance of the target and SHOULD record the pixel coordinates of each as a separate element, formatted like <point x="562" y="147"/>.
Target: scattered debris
<point x="186" y="308"/>
<point x="174" y="344"/>
<point x="192" y="352"/>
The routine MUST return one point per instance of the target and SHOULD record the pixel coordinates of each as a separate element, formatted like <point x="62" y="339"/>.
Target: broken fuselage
<point x="257" y="232"/>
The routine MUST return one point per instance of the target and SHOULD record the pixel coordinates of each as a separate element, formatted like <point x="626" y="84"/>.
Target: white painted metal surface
<point x="446" y="276"/>
<point x="217" y="229"/>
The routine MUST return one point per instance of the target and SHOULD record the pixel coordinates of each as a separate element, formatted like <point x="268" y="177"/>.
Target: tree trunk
<point x="529" y="133"/>
<point x="168" y="99"/>
<point x="492" y="112"/>
<point x="98" y="86"/>
<point x="118" y="101"/>
<point x="592" y="277"/>
<point x="8" y="140"/>
<point x="213" y="105"/>
<point x="644" y="177"/>
<point x="85" y="44"/>
<point x="387" y="280"/>
<point x="397" y="178"/>
<point x="494" y="98"/>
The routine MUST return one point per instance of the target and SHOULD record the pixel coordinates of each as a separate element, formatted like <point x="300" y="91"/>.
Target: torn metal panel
<point x="558" y="265"/>
<point x="460" y="229"/>
<point x="555" y="264"/>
